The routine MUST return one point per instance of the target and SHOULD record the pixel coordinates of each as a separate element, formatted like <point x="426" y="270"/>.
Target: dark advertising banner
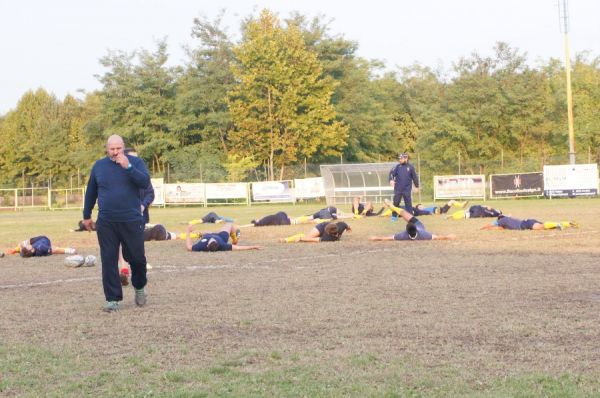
<point x="520" y="184"/>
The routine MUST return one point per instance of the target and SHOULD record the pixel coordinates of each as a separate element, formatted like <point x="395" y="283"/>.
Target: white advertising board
<point x="184" y="193"/>
<point x="274" y="191"/>
<point x="159" y="191"/>
<point x="306" y="188"/>
<point x="571" y="180"/>
<point x="234" y="190"/>
<point x="459" y="186"/>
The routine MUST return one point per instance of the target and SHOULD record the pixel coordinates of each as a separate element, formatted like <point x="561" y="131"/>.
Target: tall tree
<point x="202" y="114"/>
<point x="139" y="102"/>
<point x="281" y="104"/>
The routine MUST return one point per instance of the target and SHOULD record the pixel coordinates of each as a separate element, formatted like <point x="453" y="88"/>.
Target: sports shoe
<point x="235" y="236"/>
<point x="140" y="297"/>
<point x="394" y="218"/>
<point x="111" y="306"/>
<point x="1" y="254"/>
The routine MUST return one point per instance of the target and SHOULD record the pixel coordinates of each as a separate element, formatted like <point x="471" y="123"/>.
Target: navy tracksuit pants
<point x="129" y="235"/>
<point x="398" y="196"/>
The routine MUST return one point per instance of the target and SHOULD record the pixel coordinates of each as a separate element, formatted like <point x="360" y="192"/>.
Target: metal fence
<point x="46" y="198"/>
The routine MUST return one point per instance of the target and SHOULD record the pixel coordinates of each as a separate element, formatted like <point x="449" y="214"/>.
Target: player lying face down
<point x="507" y="222"/>
<point x="415" y="230"/>
<point x="326" y="231"/>
<point x="219" y="241"/>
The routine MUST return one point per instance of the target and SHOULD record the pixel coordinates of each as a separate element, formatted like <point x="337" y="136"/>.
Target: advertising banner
<point x="571" y="180"/>
<point x="184" y="193"/>
<point x="159" y="191"/>
<point x="459" y="186"/>
<point x="306" y="188"/>
<point x="234" y="190"/>
<point x="274" y="191"/>
<point x="516" y="185"/>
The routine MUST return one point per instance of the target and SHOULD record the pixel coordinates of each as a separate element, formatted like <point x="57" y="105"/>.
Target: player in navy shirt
<point x="326" y="231"/>
<point x="475" y="211"/>
<point x="422" y="210"/>
<point x="210" y="218"/>
<point x="279" y="218"/>
<point x="364" y="209"/>
<point x="216" y="241"/>
<point x="507" y="222"/>
<point x="39" y="246"/>
<point x="415" y="230"/>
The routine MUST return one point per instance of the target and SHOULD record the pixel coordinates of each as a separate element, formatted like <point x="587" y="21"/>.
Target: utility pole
<point x="563" y="14"/>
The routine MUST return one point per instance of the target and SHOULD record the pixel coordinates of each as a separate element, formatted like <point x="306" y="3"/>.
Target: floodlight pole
<point x="564" y="16"/>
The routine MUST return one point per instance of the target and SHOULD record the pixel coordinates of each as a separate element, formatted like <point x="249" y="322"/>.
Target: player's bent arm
<point x="375" y="238"/>
<point x="238" y="247"/>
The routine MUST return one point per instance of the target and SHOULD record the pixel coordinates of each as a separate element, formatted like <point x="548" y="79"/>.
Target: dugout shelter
<point x="342" y="182"/>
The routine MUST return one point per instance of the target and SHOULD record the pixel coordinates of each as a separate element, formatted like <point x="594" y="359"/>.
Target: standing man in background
<point x="402" y="177"/>
<point x="115" y="181"/>
<point x="147" y="197"/>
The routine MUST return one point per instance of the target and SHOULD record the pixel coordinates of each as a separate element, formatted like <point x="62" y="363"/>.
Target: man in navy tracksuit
<point x="402" y="177"/>
<point x="115" y="181"/>
<point x="146" y="194"/>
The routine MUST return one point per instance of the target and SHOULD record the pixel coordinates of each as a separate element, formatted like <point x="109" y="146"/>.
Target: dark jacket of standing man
<point x="115" y="182"/>
<point x="402" y="177"/>
<point x="146" y="194"/>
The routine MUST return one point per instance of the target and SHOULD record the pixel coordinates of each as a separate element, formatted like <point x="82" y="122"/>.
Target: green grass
<point x="30" y="371"/>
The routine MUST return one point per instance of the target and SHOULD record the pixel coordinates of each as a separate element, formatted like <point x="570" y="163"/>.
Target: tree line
<point x="289" y="92"/>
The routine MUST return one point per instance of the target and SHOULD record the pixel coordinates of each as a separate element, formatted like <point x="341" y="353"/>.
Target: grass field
<point x="493" y="313"/>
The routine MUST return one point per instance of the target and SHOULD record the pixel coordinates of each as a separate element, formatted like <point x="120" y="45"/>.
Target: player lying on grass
<point x="415" y="230"/>
<point x="212" y="242"/>
<point x="210" y="218"/>
<point x="364" y="209"/>
<point x="326" y="231"/>
<point x="507" y="222"/>
<point x="421" y="210"/>
<point x="159" y="232"/>
<point x="475" y="211"/>
<point x="279" y="218"/>
<point x="39" y="246"/>
<point x="325" y="214"/>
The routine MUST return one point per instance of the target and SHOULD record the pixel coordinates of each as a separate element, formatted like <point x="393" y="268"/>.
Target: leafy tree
<point x="281" y="103"/>
<point x="139" y="102"/>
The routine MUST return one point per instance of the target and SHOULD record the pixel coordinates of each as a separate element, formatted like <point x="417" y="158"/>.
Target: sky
<point x="57" y="44"/>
